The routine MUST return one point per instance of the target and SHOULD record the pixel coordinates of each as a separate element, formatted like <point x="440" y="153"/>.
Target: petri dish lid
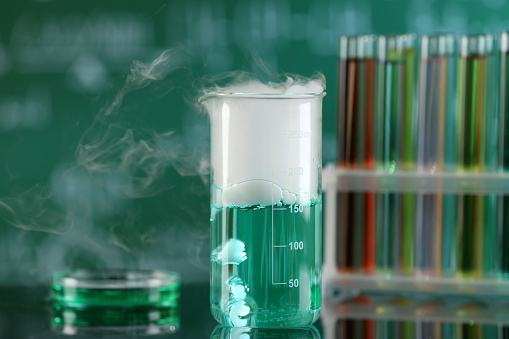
<point x="115" y="279"/>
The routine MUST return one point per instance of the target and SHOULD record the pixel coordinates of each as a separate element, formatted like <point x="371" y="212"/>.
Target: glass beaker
<point x="266" y="212"/>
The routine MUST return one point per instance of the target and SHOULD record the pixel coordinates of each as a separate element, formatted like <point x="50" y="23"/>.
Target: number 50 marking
<point x="293" y="283"/>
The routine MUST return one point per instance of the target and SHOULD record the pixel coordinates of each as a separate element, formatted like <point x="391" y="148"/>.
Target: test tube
<point x="355" y="211"/>
<point x="395" y="148"/>
<point x="471" y="115"/>
<point x="435" y="91"/>
<point x="449" y="201"/>
<point x="504" y="152"/>
<point x="490" y="255"/>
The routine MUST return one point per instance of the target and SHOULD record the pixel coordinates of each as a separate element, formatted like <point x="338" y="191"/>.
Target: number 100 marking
<point x="296" y="245"/>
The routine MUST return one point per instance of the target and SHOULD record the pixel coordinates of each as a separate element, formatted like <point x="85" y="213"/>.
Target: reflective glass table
<point x="26" y="312"/>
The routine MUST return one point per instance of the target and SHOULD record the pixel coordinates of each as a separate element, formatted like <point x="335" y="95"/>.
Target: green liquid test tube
<point x="490" y="256"/>
<point x="449" y="201"/>
<point x="395" y="149"/>
<point x="408" y="148"/>
<point x="471" y="124"/>
<point x="504" y="154"/>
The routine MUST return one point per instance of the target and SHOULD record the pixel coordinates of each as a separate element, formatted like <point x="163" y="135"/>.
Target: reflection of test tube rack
<point x="453" y="272"/>
<point x="395" y="318"/>
<point x="400" y="181"/>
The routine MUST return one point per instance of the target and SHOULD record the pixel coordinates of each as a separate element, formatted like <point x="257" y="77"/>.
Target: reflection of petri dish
<point x="115" y="302"/>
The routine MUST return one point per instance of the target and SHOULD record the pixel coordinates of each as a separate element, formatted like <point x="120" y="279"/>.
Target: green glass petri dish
<point x="115" y="301"/>
<point x="115" y="287"/>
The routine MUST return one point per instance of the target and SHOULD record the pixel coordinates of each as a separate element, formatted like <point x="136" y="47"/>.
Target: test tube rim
<point x="449" y="39"/>
<point x="133" y="279"/>
<point x="261" y="95"/>
<point x="396" y="42"/>
<point x="356" y="39"/>
<point x="504" y="41"/>
<point x="482" y="46"/>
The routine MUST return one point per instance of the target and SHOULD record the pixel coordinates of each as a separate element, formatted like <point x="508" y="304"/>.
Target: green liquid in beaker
<point x="266" y="265"/>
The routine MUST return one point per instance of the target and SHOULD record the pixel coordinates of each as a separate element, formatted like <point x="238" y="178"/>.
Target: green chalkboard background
<point x="87" y="184"/>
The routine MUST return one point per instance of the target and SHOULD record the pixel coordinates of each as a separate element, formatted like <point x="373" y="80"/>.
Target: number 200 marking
<point x="296" y="171"/>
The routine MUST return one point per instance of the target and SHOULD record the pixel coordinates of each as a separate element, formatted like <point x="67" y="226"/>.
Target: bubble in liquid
<point x="238" y="290"/>
<point x="238" y="305"/>
<point x="240" y="313"/>
<point x="233" y="252"/>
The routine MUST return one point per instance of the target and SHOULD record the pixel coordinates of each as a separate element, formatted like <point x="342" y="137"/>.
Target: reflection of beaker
<point x="222" y="332"/>
<point x="266" y="213"/>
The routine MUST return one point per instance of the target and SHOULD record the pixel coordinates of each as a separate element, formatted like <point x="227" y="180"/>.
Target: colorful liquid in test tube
<point x="503" y="244"/>
<point x="356" y="104"/>
<point x="471" y="143"/>
<point x="395" y="143"/>
<point x="492" y="202"/>
<point x="266" y="212"/>
<point x="435" y="93"/>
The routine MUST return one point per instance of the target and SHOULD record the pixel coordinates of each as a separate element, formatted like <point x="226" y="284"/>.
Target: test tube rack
<point x="342" y="290"/>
